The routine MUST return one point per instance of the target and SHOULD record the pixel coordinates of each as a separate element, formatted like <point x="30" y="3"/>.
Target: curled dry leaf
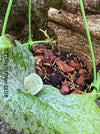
<point x="43" y="46"/>
<point x="48" y="56"/>
<point x="38" y="49"/>
<point x="65" y="67"/>
<point x="75" y="64"/>
<point x="83" y="72"/>
<point x="80" y="80"/>
<point x="65" y="88"/>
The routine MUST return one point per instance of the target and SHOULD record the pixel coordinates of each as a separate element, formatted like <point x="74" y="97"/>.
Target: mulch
<point x="65" y="71"/>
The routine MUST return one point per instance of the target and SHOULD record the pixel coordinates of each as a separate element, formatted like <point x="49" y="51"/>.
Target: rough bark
<point x="71" y="34"/>
<point x="87" y="3"/>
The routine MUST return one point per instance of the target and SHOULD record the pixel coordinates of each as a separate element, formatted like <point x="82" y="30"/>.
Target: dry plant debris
<point x="64" y="71"/>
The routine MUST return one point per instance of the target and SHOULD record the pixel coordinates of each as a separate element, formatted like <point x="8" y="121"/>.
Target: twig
<point x="46" y="64"/>
<point x="45" y="33"/>
<point x="50" y="39"/>
<point x="72" y="84"/>
<point x="55" y="61"/>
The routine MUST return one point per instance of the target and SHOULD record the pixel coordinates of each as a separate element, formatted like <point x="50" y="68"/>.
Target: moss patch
<point x="18" y="19"/>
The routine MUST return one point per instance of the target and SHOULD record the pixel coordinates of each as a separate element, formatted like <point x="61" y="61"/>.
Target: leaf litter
<point x="64" y="71"/>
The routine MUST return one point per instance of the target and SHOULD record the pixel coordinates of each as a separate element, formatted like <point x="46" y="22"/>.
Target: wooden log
<point x="72" y="36"/>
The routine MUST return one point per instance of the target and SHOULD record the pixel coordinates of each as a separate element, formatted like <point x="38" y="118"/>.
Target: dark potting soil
<point x="65" y="71"/>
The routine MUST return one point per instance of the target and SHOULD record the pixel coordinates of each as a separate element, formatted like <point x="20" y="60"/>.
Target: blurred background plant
<point x="18" y="19"/>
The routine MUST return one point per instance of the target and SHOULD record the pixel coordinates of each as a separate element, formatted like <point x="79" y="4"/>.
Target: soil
<point x="65" y="71"/>
<point x="87" y="11"/>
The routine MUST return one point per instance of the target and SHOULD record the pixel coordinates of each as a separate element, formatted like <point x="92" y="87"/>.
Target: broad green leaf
<point x="49" y="112"/>
<point x="33" y="83"/>
<point x="18" y="64"/>
<point x="5" y="42"/>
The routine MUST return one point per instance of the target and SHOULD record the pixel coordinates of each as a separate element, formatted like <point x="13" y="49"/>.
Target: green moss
<point x="97" y="9"/>
<point x="18" y="20"/>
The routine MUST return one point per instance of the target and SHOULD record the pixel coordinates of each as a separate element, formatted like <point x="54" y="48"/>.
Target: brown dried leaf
<point x="75" y="64"/>
<point x="80" y="80"/>
<point x="65" y="88"/>
<point x="48" y="56"/>
<point x="65" y="67"/>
